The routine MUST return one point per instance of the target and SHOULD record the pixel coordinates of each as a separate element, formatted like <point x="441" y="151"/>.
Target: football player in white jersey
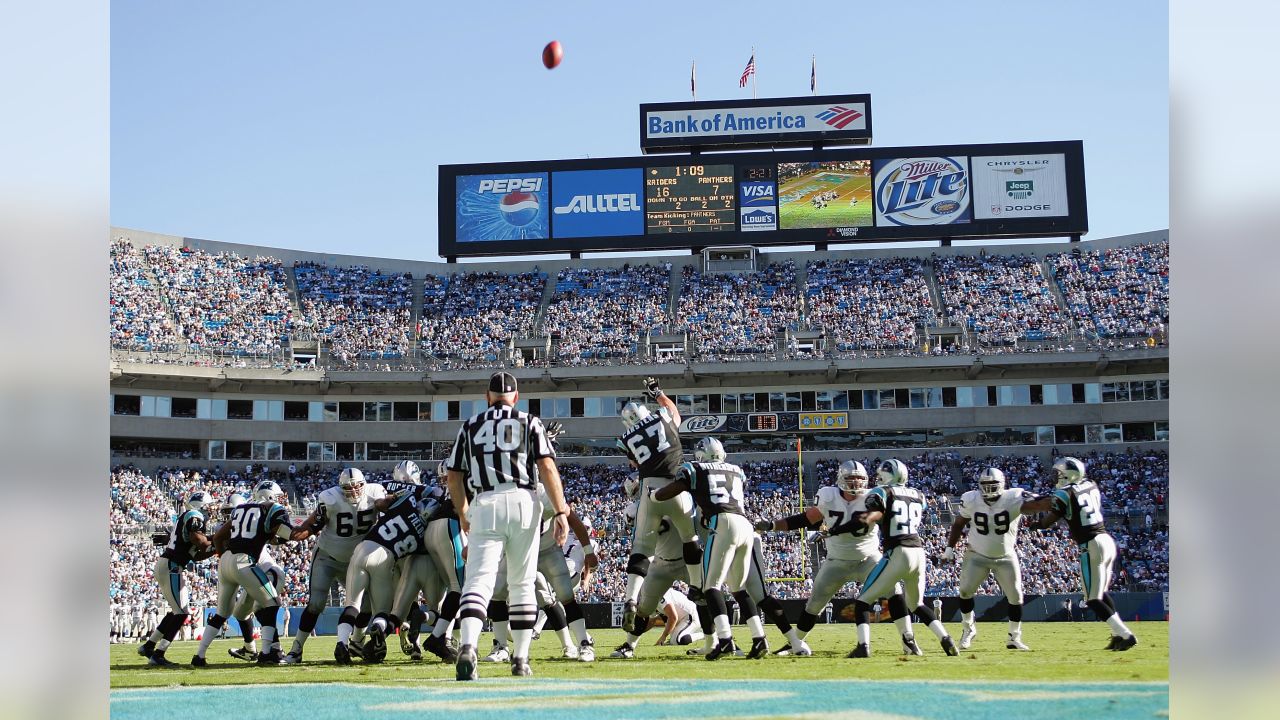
<point x="679" y="618"/>
<point x="993" y="513"/>
<point x="851" y="556"/>
<point x="342" y="516"/>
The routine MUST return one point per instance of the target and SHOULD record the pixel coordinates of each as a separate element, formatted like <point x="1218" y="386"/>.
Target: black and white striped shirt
<point x="500" y="447"/>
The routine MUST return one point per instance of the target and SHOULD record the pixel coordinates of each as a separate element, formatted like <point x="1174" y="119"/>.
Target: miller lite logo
<point x="922" y="191"/>
<point x="703" y="423"/>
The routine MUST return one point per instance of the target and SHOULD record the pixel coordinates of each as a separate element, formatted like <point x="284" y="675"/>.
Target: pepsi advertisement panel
<point x="597" y="203"/>
<point x="502" y="207"/>
<point x="799" y="197"/>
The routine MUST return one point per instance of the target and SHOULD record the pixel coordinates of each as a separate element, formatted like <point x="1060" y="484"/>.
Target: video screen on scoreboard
<point x="502" y="207"/>
<point x="689" y="198"/>
<point x="825" y="194"/>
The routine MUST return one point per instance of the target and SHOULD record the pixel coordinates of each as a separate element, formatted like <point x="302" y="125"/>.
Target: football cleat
<point x="967" y="634"/>
<point x="697" y="651"/>
<point x="949" y="645"/>
<point x="569" y="652"/>
<point x="292" y="658"/>
<point x="375" y="648"/>
<point x="356" y="648"/>
<point x="342" y="653"/>
<point x="723" y="647"/>
<point x="158" y="659"/>
<point x="587" y="651"/>
<point x="759" y="648"/>
<point x="269" y="658"/>
<point x="624" y="652"/>
<point x="146" y="648"/>
<point x="910" y="646"/>
<point x="784" y="650"/>
<point x="520" y="667"/>
<point x="466" y="668"/>
<point x="500" y="654"/>
<point x="242" y="654"/>
<point x="802" y="650"/>
<point x="1111" y="645"/>
<point x="198" y="661"/>
<point x="1015" y="642"/>
<point x="1123" y="644"/>
<point x="438" y="646"/>
<point x="629" y="614"/>
<point x="406" y="646"/>
<point x="861" y="651"/>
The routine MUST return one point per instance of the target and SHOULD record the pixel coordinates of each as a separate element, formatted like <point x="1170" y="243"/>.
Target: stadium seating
<point x="734" y="314"/>
<point x="478" y="315"/>
<point x="599" y="313"/>
<point x="361" y="312"/>
<point x="1120" y="292"/>
<point x="139" y="317"/>
<point x="871" y="303"/>
<point x="1001" y="299"/>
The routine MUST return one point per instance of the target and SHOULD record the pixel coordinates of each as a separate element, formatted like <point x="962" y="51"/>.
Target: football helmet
<point x="269" y="491"/>
<point x="891" y="472"/>
<point x="633" y="412"/>
<point x="198" y="500"/>
<point x="352" y="483"/>
<point x="407" y="471"/>
<point x="442" y="471"/>
<point x="1069" y="471"/>
<point x="991" y="483"/>
<point x="851" y="477"/>
<point x="709" y="449"/>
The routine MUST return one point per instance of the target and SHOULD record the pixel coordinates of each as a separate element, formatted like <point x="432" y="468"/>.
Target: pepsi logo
<point x="519" y="208"/>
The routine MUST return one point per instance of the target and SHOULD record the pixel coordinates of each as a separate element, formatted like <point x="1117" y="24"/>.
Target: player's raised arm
<point x="653" y="390"/>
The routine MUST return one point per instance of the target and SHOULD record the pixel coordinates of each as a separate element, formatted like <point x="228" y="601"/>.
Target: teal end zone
<point x="559" y="699"/>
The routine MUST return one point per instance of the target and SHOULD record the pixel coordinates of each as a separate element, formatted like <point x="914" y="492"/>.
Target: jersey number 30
<point x="245" y="521"/>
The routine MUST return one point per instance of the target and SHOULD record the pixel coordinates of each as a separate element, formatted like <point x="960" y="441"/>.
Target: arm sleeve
<point x="875" y="499"/>
<point x="686" y="474"/>
<point x="458" y="460"/>
<point x="539" y="445"/>
<point x="1061" y="503"/>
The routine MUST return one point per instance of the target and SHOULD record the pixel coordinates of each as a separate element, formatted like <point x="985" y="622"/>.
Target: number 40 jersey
<point x="345" y="524"/>
<point x="993" y="527"/>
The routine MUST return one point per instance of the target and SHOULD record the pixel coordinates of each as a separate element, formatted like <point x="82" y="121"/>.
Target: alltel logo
<point x="837" y="116"/>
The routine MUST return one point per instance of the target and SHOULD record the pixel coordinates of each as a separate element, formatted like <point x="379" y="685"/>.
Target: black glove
<point x="651" y="388"/>
<point x="764" y="526"/>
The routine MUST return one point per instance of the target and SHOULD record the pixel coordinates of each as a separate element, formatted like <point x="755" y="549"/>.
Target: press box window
<point x="182" y="408"/>
<point x="128" y="405"/>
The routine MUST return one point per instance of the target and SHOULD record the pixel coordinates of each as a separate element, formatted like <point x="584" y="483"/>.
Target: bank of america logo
<point x="837" y="116"/>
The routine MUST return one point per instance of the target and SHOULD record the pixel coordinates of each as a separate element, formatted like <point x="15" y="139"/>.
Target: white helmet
<point x="235" y="500"/>
<point x="442" y="470"/>
<point x="269" y="491"/>
<point x="1069" y="471"/>
<point x="631" y="486"/>
<point x="891" y="472"/>
<point x="198" y="500"/>
<point x="351" y="480"/>
<point x="991" y="483"/>
<point x="633" y="412"/>
<point x="851" y="477"/>
<point x="709" y="449"/>
<point x="407" y="471"/>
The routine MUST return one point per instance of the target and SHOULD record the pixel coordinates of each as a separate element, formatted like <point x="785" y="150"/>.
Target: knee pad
<point x="307" y="622"/>
<point x="572" y="611"/>
<point x="267" y="615"/>
<point x="925" y="614"/>
<point x="349" y="616"/>
<point x="449" y="608"/>
<point x="1100" y="609"/>
<point x="1015" y="613"/>
<point x="498" y="610"/>
<point x="639" y="626"/>
<point x="363" y="618"/>
<point x="695" y="594"/>
<point x="556" y="619"/>
<point x="638" y="565"/>
<point x="217" y="621"/>
<point x="807" y="621"/>
<point x="898" y="607"/>
<point x="692" y="553"/>
<point x="966" y="604"/>
<point x="746" y="605"/>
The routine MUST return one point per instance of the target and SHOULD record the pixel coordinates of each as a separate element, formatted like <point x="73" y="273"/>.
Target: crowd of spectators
<point x="599" y="313"/>
<point x="139" y="318"/>
<point x="478" y="315"/>
<point x="223" y="300"/>
<point x="1121" y="292"/>
<point x="362" y="312"/>
<point x="871" y="303"/>
<point x="1001" y="299"/>
<point x="727" y="314"/>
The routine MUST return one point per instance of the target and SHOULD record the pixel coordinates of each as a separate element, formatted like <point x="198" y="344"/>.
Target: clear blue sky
<point x="319" y="125"/>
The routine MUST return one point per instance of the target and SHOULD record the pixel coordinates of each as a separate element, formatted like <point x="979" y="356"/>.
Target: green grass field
<point x="800" y="213"/>
<point x="1060" y="652"/>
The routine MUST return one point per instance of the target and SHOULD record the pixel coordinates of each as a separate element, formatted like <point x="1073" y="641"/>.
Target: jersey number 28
<point x="906" y="518"/>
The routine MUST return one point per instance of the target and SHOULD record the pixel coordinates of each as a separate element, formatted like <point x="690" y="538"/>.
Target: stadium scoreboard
<point x="796" y="197"/>
<point x="690" y="198"/>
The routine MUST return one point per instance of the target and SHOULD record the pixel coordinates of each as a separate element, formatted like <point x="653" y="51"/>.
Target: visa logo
<point x="506" y="185"/>
<point x="757" y="191"/>
<point x="617" y="202"/>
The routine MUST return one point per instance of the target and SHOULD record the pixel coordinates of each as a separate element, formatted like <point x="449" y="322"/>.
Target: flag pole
<point x="755" y="71"/>
<point x="813" y="89"/>
<point x="804" y="540"/>
<point x="693" y="80"/>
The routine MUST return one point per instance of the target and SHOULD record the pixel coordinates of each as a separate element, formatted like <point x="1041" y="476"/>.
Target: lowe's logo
<point x="837" y="116"/>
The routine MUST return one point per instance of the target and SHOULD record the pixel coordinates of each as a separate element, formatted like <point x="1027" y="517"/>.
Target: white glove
<point x="948" y="556"/>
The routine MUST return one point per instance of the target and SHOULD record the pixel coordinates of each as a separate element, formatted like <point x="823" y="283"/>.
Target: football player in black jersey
<point x="188" y="544"/>
<point x="718" y="488"/>
<point x="1077" y="501"/>
<point x="652" y="444"/>
<point x="899" y="511"/>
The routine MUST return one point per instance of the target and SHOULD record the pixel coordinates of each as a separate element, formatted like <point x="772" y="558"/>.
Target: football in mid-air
<point x="551" y="54"/>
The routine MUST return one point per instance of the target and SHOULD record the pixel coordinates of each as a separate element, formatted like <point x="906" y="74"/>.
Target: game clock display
<point x="762" y="422"/>
<point x="689" y="198"/>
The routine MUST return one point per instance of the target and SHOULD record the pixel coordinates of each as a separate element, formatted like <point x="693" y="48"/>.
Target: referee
<point x="498" y="459"/>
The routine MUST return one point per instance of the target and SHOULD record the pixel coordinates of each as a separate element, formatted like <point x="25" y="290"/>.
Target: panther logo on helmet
<point x="1069" y="471"/>
<point x="709" y="449"/>
<point x="407" y="471"/>
<point x="269" y="491"/>
<point x="851" y="477"/>
<point x="892" y="472"/>
<point x="198" y="500"/>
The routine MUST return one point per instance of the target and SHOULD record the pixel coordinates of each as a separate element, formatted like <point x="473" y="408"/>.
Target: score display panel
<point x="690" y="198"/>
<point x="794" y="197"/>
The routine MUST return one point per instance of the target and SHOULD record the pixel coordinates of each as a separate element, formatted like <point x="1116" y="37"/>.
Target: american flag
<point x="748" y="72"/>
